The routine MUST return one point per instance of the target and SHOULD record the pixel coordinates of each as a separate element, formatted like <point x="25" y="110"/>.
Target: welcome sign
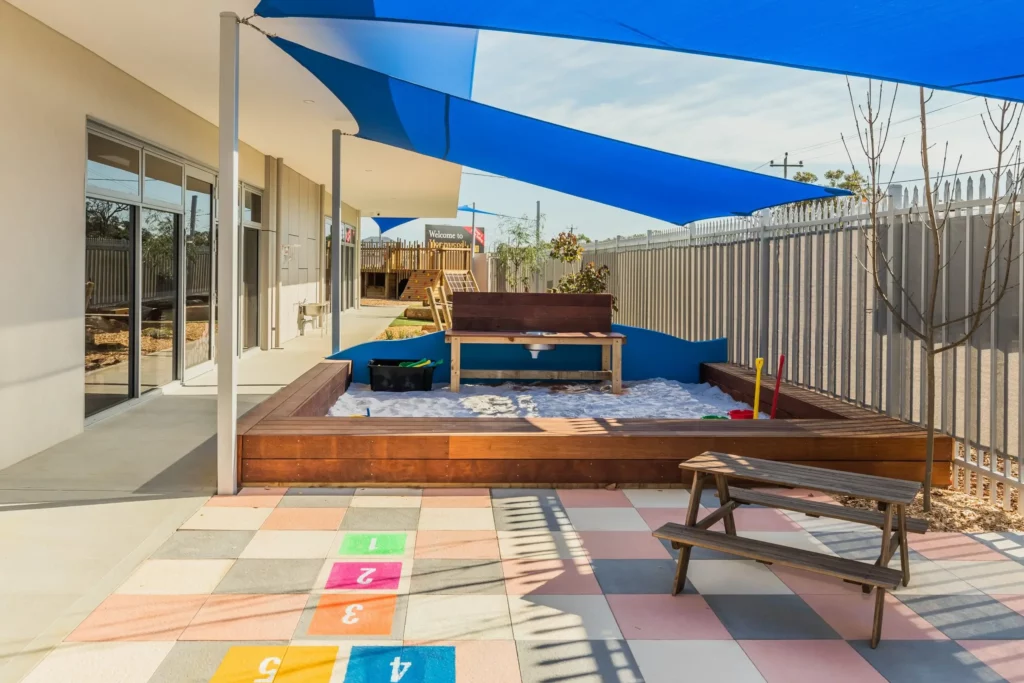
<point x="454" y="235"/>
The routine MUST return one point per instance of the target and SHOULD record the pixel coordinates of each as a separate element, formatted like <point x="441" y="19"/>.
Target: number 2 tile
<point x="364" y="576"/>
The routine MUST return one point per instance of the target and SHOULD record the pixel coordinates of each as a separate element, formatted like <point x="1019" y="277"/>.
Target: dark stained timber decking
<point x="287" y="440"/>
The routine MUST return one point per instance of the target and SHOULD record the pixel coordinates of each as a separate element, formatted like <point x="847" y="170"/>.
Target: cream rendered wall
<point x="49" y="86"/>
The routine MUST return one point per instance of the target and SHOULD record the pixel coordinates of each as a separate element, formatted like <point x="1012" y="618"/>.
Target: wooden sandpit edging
<point x="289" y="440"/>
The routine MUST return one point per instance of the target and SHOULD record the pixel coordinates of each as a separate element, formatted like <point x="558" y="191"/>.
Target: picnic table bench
<point x="890" y="495"/>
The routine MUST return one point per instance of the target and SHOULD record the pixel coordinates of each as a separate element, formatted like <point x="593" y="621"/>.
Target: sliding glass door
<point x="159" y="309"/>
<point x="109" y="321"/>
<point x="198" y="265"/>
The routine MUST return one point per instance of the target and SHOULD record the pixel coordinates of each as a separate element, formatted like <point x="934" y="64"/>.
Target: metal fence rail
<point x="794" y="281"/>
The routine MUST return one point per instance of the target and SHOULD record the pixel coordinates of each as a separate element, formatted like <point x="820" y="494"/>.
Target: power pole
<point x="785" y="165"/>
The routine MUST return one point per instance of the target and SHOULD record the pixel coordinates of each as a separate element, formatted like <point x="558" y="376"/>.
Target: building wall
<point x="49" y="87"/>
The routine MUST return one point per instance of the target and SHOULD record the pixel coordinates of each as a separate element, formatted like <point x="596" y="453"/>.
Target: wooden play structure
<point x="389" y="269"/>
<point x="540" y="322"/>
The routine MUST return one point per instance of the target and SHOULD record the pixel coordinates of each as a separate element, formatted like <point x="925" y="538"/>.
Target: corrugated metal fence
<point x="793" y="281"/>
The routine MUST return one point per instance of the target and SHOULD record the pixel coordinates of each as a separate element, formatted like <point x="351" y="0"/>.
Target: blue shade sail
<point x="386" y="224"/>
<point x="657" y="184"/>
<point x="470" y="209"/>
<point x="873" y="38"/>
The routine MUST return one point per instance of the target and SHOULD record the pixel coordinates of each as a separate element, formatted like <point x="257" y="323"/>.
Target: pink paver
<point x="593" y="498"/>
<point x="809" y="583"/>
<point x="760" y="519"/>
<point x="953" y="546"/>
<point x="549" y="577"/>
<point x="304" y="519"/>
<point x="809" y="661"/>
<point x="139" y="617"/>
<point x="456" y="545"/>
<point x="468" y="492"/>
<point x="1014" y="602"/>
<point x="657" y="517"/>
<point x="622" y="545"/>
<point x="456" y="498"/>
<point x="247" y="617"/>
<point x="851" y="616"/>
<point x="666" y="617"/>
<point x="365" y="576"/>
<point x="1005" y="657"/>
<point x="490" y="661"/>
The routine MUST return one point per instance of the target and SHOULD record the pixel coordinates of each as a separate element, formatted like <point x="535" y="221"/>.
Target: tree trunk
<point x="929" y="406"/>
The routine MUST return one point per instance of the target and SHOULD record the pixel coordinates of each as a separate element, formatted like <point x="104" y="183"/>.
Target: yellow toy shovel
<point x="759" y="364"/>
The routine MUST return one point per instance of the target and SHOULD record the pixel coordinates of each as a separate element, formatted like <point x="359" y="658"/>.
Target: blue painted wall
<point x="647" y="354"/>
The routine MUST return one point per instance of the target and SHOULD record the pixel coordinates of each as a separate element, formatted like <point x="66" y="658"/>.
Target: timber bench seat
<point x="890" y="495"/>
<point x="813" y="508"/>
<point x="853" y="571"/>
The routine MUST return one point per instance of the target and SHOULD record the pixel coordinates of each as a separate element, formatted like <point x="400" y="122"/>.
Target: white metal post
<point x="227" y="260"/>
<point x="336" y="241"/>
<point x="762" y="283"/>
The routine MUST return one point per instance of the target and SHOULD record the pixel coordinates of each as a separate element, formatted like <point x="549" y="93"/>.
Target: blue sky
<point x="730" y="112"/>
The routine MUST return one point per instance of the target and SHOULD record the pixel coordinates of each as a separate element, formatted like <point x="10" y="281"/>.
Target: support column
<point x="336" y="241"/>
<point x="227" y="261"/>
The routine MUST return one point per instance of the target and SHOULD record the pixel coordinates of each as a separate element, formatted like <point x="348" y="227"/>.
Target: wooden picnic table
<point x="890" y="495"/>
<point x="611" y="355"/>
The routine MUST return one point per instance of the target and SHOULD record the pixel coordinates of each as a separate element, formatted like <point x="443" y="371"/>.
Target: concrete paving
<point x="76" y="519"/>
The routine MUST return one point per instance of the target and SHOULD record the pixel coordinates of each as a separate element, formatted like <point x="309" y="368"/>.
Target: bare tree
<point x="920" y="317"/>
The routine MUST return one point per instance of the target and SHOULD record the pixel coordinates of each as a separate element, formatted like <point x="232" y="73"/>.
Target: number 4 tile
<point x="431" y="664"/>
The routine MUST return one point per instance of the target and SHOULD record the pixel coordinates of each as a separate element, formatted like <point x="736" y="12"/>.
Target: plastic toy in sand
<point x="741" y="414"/>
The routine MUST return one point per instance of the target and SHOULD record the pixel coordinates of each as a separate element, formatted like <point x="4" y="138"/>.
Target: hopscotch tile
<point x="303" y="664"/>
<point x="406" y="664"/>
<point x="250" y="663"/>
<point x="354" y="615"/>
<point x="369" y="544"/>
<point x="280" y="664"/>
<point x="363" y="576"/>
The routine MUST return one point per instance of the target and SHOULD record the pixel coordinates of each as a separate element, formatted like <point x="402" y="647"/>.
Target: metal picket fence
<point x="793" y="281"/>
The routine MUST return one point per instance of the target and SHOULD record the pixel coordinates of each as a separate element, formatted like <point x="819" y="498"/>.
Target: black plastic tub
<point x="386" y="375"/>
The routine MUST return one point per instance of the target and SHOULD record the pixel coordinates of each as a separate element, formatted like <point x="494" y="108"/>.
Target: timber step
<point x="815" y="509"/>
<point x="772" y="553"/>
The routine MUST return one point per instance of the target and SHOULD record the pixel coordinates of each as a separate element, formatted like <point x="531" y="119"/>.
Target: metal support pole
<point x="893" y="333"/>
<point x="538" y="221"/>
<point x="473" y="250"/>
<point x="336" y="241"/>
<point x="762" y="285"/>
<point x="227" y="260"/>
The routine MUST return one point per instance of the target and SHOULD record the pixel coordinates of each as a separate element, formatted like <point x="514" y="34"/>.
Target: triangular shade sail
<point x="657" y="184"/>
<point x="386" y="224"/>
<point x="470" y="209"/>
<point x="922" y="42"/>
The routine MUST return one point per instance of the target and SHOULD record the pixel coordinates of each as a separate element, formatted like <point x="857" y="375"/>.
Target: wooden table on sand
<point x="611" y="356"/>
<point x="891" y="496"/>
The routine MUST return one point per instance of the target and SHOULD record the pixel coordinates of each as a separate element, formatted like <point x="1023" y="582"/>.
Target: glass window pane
<point x="108" y="329"/>
<point x="159" y="297"/>
<point x="198" y="270"/>
<point x="163" y="181"/>
<point x="253" y="208"/>
<point x="112" y="166"/>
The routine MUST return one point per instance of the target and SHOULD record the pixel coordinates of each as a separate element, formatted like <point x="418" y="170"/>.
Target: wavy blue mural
<point x="647" y="354"/>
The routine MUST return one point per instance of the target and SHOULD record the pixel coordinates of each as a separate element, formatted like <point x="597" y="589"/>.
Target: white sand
<point x="653" y="398"/>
